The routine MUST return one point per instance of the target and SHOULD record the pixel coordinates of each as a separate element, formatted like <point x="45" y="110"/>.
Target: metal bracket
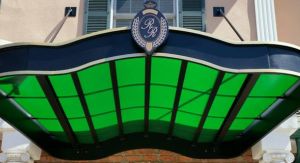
<point x="218" y="11"/>
<point x="72" y="12"/>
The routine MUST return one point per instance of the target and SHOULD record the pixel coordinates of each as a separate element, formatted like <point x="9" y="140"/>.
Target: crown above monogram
<point x="150" y="4"/>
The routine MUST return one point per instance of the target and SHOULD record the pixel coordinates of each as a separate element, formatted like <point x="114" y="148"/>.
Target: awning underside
<point x="177" y="98"/>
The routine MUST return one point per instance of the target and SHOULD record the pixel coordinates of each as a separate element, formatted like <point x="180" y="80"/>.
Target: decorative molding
<point x="265" y="20"/>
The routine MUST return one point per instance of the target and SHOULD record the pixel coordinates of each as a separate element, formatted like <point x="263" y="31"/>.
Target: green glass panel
<point x="64" y="88"/>
<point x="161" y="96"/>
<point x="79" y="125"/>
<point x="265" y="93"/>
<point x="36" y="107"/>
<point x="133" y="120"/>
<point x="54" y="128"/>
<point x="132" y="96"/>
<point x="165" y="71"/>
<point x="23" y="86"/>
<point x="132" y="107"/>
<point x="63" y="85"/>
<point x="237" y="127"/>
<point x="199" y="77"/>
<point x="52" y="125"/>
<point x="159" y="119"/>
<point x="101" y="103"/>
<point x="106" y="126"/>
<point x="96" y="78"/>
<point x="273" y="85"/>
<point x="131" y="71"/>
<point x="186" y="124"/>
<point x="193" y="102"/>
<point x="253" y="107"/>
<point x="210" y="129"/>
<point x="226" y="94"/>
<point x="72" y="107"/>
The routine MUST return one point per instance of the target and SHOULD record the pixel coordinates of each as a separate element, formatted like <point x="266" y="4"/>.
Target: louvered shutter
<point x="192" y="14"/>
<point x="97" y="15"/>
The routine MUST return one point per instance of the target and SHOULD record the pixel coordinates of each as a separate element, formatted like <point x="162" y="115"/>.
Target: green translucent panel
<point x="36" y="107"/>
<point x="226" y="94"/>
<point x="79" y="125"/>
<point x="165" y="71"/>
<point x="253" y="107"/>
<point x="106" y="126"/>
<point x="161" y="96"/>
<point x="199" y="77"/>
<point x="133" y="120"/>
<point x="273" y="85"/>
<point x="186" y="125"/>
<point x="95" y="78"/>
<point x="51" y="125"/>
<point x="159" y="119"/>
<point x="23" y="86"/>
<point x="210" y="129"/>
<point x="132" y="107"/>
<point x="132" y="96"/>
<point x="267" y="85"/>
<point x="240" y="124"/>
<point x="72" y="107"/>
<point x="101" y="103"/>
<point x="237" y="127"/>
<point x="63" y="85"/>
<point x="193" y="103"/>
<point x="54" y="128"/>
<point x="131" y="71"/>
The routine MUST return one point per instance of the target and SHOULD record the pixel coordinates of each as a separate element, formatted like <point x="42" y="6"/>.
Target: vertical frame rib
<point x="177" y="96"/>
<point x="209" y="103"/>
<point x="57" y="108"/>
<point x="84" y="106"/>
<point x="147" y="92"/>
<point x="237" y="105"/>
<point x="113" y="74"/>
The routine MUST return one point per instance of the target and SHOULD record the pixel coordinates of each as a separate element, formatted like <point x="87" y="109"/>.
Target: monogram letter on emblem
<point x="151" y="30"/>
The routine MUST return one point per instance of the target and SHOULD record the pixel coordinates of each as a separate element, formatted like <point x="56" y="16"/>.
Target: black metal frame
<point x="84" y="106"/>
<point x="44" y="58"/>
<point x="209" y="103"/>
<point x="57" y="108"/>
<point x="177" y="96"/>
<point x="114" y="79"/>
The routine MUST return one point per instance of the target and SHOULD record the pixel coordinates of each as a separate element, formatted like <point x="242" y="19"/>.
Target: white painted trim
<point x="111" y="16"/>
<point x="265" y="20"/>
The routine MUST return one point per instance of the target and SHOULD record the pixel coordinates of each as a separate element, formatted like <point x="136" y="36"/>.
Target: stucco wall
<point x="240" y="12"/>
<point x="288" y="20"/>
<point x="33" y="20"/>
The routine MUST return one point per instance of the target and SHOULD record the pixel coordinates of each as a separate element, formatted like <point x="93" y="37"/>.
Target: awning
<point x="197" y="95"/>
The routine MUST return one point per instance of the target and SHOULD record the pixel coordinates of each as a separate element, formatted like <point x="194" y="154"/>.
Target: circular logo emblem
<point x="149" y="28"/>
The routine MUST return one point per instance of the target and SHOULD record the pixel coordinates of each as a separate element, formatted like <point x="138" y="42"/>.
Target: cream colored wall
<point x="240" y="12"/>
<point x="33" y="20"/>
<point x="288" y="20"/>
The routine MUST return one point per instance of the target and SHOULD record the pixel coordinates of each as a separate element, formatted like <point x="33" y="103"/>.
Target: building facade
<point x="255" y="20"/>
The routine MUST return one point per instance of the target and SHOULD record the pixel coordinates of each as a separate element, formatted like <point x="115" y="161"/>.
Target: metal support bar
<point x="57" y="108"/>
<point x="51" y="37"/>
<point x="84" y="106"/>
<point x="209" y="103"/>
<point x="219" y="11"/>
<point x="237" y="105"/>
<point x="177" y="96"/>
<point x="114" y="79"/>
<point x="147" y="91"/>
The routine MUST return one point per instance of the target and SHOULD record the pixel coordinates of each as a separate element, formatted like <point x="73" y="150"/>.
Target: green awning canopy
<point x="183" y="104"/>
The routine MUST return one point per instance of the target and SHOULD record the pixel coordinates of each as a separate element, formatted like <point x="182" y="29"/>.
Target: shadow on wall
<point x="241" y="13"/>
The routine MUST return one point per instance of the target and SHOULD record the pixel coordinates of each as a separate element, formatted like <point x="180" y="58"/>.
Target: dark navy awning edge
<point x="191" y="45"/>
